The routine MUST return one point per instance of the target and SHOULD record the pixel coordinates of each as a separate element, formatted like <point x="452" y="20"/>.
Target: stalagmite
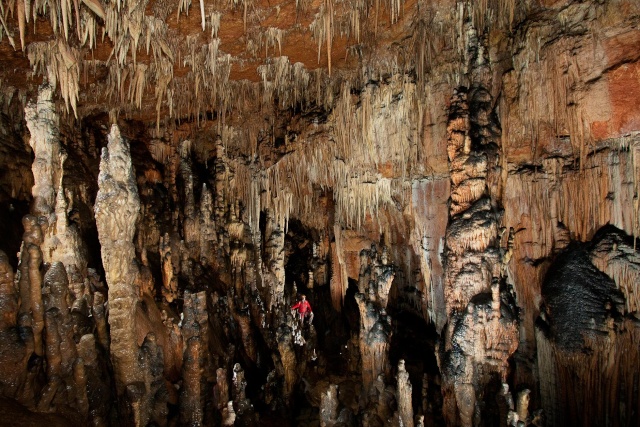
<point x="30" y="281"/>
<point x="375" y="325"/>
<point x="192" y="396"/>
<point x="169" y="277"/>
<point x="116" y="210"/>
<point x="581" y="351"/>
<point x="522" y="405"/>
<point x="221" y="391"/>
<point x="43" y="122"/>
<point x="61" y="240"/>
<point x="207" y="225"/>
<point x="191" y="224"/>
<point x="196" y="360"/>
<point x="98" y="311"/>
<point x="12" y="350"/>
<point x="58" y="324"/>
<point x="284" y="337"/>
<point x="481" y="334"/>
<point x="405" y="407"/>
<point x="239" y="392"/>
<point x="329" y="406"/>
<point x="8" y="294"/>
<point x="274" y="261"/>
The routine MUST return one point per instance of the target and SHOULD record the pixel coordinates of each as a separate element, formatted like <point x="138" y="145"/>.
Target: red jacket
<point x="302" y="307"/>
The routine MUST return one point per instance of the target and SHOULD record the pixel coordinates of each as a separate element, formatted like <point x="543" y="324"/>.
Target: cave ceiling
<point x="151" y="59"/>
<point x="454" y="185"/>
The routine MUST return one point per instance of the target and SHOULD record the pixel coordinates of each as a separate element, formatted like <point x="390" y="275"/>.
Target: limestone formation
<point x="329" y="406"/>
<point x="375" y="325"/>
<point x="117" y="208"/>
<point x="453" y="185"/>
<point x="43" y="122"/>
<point x="403" y="397"/>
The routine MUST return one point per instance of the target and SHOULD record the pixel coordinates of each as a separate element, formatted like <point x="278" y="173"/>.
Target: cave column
<point x="478" y="339"/>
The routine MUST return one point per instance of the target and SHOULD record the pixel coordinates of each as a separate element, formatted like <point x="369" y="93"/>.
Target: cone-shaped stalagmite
<point x="116" y="210"/>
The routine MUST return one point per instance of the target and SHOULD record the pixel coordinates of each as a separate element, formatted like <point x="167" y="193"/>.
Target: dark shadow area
<point x="11" y="230"/>
<point x="413" y="340"/>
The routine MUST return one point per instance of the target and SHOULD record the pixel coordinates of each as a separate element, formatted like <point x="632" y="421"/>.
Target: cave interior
<point x="451" y="184"/>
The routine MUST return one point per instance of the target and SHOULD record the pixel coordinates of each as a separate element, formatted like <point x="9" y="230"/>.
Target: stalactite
<point x="339" y="279"/>
<point x="60" y="63"/>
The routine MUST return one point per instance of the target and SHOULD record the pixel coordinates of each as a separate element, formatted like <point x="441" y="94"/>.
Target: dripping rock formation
<point x="452" y="185"/>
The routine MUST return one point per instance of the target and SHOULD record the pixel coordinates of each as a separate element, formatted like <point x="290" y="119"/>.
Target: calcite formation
<point x="452" y="185"/>
<point x="117" y="209"/>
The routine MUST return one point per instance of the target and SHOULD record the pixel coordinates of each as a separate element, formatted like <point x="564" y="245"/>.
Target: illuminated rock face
<point x="117" y="209"/>
<point x="452" y="185"/>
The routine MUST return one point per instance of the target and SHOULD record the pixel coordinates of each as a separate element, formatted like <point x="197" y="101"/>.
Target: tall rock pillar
<point x="481" y="333"/>
<point x="116" y="210"/>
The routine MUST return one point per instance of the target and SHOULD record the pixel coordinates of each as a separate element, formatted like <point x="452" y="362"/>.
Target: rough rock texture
<point x="580" y="350"/>
<point x="117" y="209"/>
<point x="452" y="184"/>
<point x="482" y="332"/>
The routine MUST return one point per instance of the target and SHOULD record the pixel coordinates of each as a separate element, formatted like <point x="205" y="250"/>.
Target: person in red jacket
<point x="304" y="309"/>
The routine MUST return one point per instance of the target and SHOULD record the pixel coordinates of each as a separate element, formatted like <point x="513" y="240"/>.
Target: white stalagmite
<point x="202" y="15"/>
<point x="61" y="242"/>
<point x="43" y="123"/>
<point x="116" y="210"/>
<point x="329" y="406"/>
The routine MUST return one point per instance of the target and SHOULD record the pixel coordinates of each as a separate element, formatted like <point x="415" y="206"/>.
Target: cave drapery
<point x="453" y="185"/>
